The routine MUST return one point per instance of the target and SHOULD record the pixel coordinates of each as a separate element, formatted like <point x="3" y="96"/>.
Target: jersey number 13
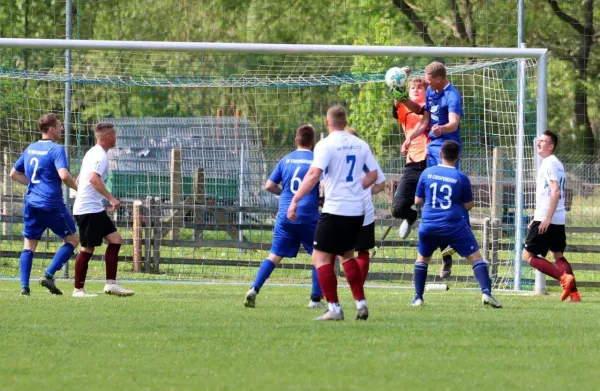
<point x="445" y="191"/>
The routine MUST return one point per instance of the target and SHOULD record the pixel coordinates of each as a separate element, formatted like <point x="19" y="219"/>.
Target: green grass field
<point x="174" y="337"/>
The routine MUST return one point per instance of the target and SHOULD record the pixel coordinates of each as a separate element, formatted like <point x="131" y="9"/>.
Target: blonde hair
<point x="436" y="69"/>
<point x="336" y="115"/>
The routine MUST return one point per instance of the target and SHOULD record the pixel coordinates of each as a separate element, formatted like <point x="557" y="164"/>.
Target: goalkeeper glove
<point x="399" y="93"/>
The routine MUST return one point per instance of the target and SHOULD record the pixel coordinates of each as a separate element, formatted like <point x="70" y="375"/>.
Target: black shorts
<point x="366" y="238"/>
<point x="555" y="239"/>
<point x="337" y="234"/>
<point x="93" y="227"/>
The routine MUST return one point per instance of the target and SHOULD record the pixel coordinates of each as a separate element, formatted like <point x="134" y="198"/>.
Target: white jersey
<point x="343" y="157"/>
<point x="551" y="169"/>
<point x="88" y="200"/>
<point x="368" y="199"/>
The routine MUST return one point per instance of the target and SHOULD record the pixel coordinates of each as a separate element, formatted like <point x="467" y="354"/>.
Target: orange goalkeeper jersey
<point x="417" y="151"/>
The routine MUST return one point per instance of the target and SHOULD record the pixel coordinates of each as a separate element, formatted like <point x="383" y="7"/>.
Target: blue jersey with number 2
<point x="40" y="162"/>
<point x="289" y="172"/>
<point x="445" y="190"/>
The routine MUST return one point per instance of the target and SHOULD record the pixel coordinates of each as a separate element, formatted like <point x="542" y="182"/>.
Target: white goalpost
<point x="230" y="109"/>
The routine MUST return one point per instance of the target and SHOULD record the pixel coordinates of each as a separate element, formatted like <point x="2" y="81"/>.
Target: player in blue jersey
<point x="289" y="235"/>
<point x="441" y="115"/>
<point x="43" y="167"/>
<point x="444" y="192"/>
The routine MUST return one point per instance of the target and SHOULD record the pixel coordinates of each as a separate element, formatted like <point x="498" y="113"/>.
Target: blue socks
<point x="62" y="256"/>
<point x="316" y="291"/>
<point x="264" y="271"/>
<point x="26" y="261"/>
<point x="480" y="270"/>
<point x="420" y="276"/>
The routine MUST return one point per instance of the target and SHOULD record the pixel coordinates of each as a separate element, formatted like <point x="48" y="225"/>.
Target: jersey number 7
<point x="352" y="160"/>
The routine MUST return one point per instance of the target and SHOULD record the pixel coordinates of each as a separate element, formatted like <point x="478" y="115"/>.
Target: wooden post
<point x="497" y="199"/>
<point x="148" y="234"/>
<point x="199" y="199"/>
<point x="495" y="247"/>
<point x="6" y="191"/>
<point x="157" y="234"/>
<point x="137" y="236"/>
<point x="176" y="191"/>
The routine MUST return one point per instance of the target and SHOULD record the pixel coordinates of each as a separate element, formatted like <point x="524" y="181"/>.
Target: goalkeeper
<point x="440" y="114"/>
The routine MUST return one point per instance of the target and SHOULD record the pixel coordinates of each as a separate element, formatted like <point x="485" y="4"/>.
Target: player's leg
<point x="306" y="235"/>
<point x="284" y="245"/>
<point x="111" y="258"/>
<point x="88" y="245"/>
<point x="405" y="197"/>
<point x="466" y="245"/>
<point x="63" y="226"/>
<point x="537" y="244"/>
<point x="427" y="245"/>
<point x="328" y="282"/>
<point x="558" y="243"/>
<point x="26" y="263"/>
<point x="33" y="229"/>
<point x="365" y="242"/>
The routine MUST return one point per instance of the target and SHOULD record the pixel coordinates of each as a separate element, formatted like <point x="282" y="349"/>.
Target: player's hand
<point x="436" y="130"/>
<point x="405" y="146"/>
<point x="399" y="94"/>
<point x="543" y="227"/>
<point x="291" y="213"/>
<point x="114" y="203"/>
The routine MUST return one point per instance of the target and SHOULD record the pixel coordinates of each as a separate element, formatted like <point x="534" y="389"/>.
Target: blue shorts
<point x="435" y="160"/>
<point x="461" y="239"/>
<point x="287" y="238"/>
<point x="37" y="220"/>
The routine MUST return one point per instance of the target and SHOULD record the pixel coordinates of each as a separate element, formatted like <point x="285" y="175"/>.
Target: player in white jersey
<point x="547" y="229"/>
<point x="366" y="237"/>
<point x="342" y="157"/>
<point x="90" y="214"/>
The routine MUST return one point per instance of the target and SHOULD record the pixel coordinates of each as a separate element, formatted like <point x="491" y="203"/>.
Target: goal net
<point x="199" y="133"/>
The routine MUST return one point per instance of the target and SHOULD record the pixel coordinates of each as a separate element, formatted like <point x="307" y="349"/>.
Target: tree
<point x="574" y="45"/>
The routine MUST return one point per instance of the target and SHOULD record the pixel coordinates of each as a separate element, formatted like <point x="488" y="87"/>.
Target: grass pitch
<point x="174" y="337"/>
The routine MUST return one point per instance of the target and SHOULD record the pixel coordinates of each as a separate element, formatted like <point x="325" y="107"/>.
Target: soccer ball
<point x="397" y="77"/>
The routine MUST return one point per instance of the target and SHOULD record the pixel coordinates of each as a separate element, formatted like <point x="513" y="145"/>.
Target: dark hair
<point x="450" y="150"/>
<point x="305" y="135"/>
<point x="553" y="137"/>
<point x="337" y="114"/>
<point x="48" y="121"/>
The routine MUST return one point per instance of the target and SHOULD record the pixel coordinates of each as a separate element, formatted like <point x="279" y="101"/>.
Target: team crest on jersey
<point x="434" y="109"/>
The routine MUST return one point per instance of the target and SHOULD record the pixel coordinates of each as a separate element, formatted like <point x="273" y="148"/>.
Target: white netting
<point x="230" y="118"/>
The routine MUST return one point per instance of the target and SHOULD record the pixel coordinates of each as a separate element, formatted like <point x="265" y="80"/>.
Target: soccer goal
<point x="201" y="125"/>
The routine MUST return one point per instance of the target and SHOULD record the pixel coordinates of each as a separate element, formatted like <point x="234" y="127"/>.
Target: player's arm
<point x="98" y="184"/>
<point x="371" y="168"/>
<point x="421" y="127"/>
<point x="412" y="106"/>
<point x="67" y="179"/>
<point x="19" y="176"/>
<point x="554" y="198"/>
<point x="272" y="187"/>
<point x="61" y="163"/>
<point x="454" y="112"/>
<point x="467" y="192"/>
<point x="379" y="185"/>
<point x="17" y="173"/>
<point x="310" y="180"/>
